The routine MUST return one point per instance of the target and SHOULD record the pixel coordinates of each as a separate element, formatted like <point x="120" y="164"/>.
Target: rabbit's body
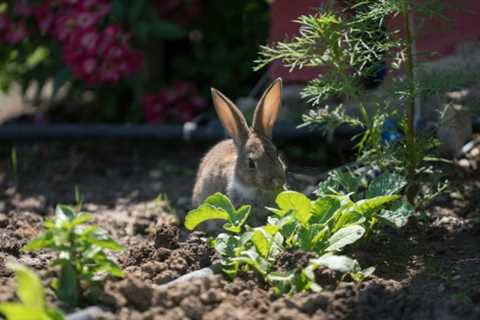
<point x="247" y="167"/>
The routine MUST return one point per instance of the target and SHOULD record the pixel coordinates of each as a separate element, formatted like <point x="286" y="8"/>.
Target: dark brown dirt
<point x="428" y="270"/>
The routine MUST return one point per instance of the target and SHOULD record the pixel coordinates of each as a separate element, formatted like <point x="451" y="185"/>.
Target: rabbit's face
<point x="260" y="165"/>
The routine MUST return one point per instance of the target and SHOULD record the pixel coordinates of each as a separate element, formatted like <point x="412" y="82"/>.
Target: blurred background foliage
<point x="129" y="61"/>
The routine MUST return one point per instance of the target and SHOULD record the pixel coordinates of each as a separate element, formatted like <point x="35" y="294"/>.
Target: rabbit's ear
<point x="232" y="119"/>
<point x="268" y="109"/>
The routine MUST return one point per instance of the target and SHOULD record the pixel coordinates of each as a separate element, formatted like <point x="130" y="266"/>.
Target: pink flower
<point x="23" y="8"/>
<point x="16" y="32"/>
<point x="45" y="18"/>
<point x="179" y="102"/>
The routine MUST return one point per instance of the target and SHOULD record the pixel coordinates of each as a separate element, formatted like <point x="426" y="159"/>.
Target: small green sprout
<point x="81" y="254"/>
<point x="32" y="304"/>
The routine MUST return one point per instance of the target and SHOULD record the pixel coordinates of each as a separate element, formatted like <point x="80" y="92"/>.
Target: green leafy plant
<point x="32" y="305"/>
<point x="81" y="254"/>
<point x="352" y="46"/>
<point x="324" y="227"/>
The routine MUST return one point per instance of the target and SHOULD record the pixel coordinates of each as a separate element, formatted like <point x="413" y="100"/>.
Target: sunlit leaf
<point x="204" y="213"/>
<point x="298" y="202"/>
<point x="386" y="184"/>
<point x="344" y="237"/>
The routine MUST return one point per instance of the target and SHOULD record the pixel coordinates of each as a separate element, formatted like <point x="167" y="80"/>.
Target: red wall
<point x="436" y="35"/>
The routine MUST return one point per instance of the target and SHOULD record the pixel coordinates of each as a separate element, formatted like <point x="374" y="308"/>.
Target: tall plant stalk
<point x="410" y="128"/>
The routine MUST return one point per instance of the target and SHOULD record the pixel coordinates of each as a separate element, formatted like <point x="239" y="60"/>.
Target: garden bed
<point x="428" y="270"/>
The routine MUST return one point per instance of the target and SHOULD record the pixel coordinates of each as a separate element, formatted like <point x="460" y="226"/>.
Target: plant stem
<point x="410" y="130"/>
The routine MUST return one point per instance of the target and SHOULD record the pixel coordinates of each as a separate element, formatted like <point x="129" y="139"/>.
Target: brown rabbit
<point x="247" y="168"/>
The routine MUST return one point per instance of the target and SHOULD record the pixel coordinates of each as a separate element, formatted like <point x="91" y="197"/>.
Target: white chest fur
<point x="237" y="189"/>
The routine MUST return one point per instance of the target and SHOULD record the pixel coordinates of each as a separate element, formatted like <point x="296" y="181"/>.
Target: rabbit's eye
<point x="251" y="163"/>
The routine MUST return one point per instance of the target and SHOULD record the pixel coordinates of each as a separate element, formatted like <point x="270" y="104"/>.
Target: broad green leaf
<point x="398" y="214"/>
<point x="323" y="209"/>
<point x="261" y="242"/>
<point x="370" y="205"/>
<point x="347" y="180"/>
<point x="344" y="237"/>
<point x="225" y="244"/>
<point x="338" y="263"/>
<point x="29" y="287"/>
<point x="347" y="218"/>
<point x="204" y="213"/>
<point x="386" y="184"/>
<point x="240" y="216"/>
<point x="68" y="289"/>
<point x="135" y="11"/>
<point x="306" y="236"/>
<point x="17" y="311"/>
<point x="298" y="202"/>
<point x="221" y="201"/>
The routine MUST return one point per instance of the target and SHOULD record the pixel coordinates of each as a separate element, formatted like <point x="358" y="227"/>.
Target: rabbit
<point x="247" y="167"/>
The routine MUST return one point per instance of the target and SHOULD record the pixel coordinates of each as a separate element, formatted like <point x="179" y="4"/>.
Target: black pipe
<point x="193" y="133"/>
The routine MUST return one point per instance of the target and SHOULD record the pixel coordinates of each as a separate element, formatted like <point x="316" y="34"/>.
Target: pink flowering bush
<point x="93" y="44"/>
<point x="179" y="101"/>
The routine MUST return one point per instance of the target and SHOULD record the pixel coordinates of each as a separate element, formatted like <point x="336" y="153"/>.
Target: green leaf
<point x="45" y="240"/>
<point x="398" y="214"/>
<point x="55" y="314"/>
<point x="221" y="201"/>
<point x="370" y="205"/>
<point x="261" y="242"/>
<point x="240" y="216"/>
<point x="81" y="219"/>
<point x="109" y="244"/>
<point x="323" y="209"/>
<point x="344" y="237"/>
<point x="204" y="213"/>
<point x="68" y="289"/>
<point x="226" y="244"/>
<point x="386" y="184"/>
<point x="338" y="263"/>
<point x="253" y="259"/>
<point x="298" y="202"/>
<point x="17" y="311"/>
<point x="348" y="217"/>
<point x="64" y="214"/>
<point x="29" y="287"/>
<point x="37" y="56"/>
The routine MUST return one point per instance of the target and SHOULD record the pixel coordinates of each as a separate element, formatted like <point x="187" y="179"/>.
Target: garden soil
<point x="428" y="270"/>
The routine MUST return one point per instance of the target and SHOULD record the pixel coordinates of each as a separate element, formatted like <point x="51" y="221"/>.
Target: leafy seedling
<point x="32" y="304"/>
<point x="324" y="227"/>
<point x="81" y="254"/>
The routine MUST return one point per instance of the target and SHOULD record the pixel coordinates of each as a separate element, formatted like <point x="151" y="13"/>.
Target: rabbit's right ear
<point x="232" y="119"/>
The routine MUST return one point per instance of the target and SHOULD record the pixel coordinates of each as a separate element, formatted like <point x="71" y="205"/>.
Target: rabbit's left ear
<point x="268" y="108"/>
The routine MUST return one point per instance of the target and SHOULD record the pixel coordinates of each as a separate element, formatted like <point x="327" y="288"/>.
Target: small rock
<point x="212" y="296"/>
<point x="3" y="220"/>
